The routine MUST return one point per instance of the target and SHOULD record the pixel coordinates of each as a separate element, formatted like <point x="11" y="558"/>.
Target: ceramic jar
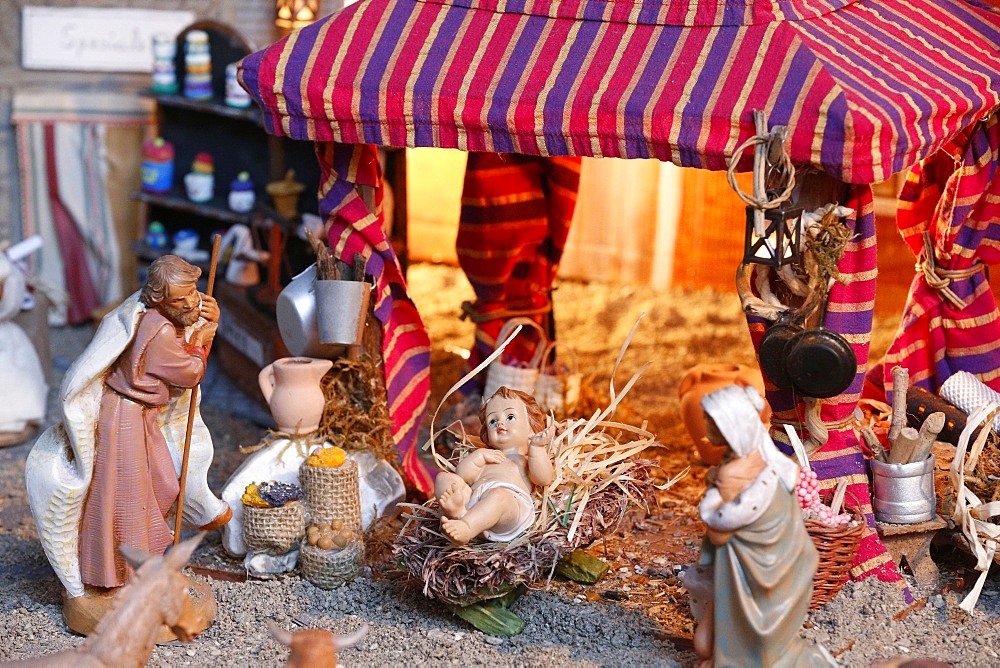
<point x="241" y="193"/>
<point x="235" y="95"/>
<point x="197" y="65"/>
<point x="291" y="388"/>
<point x="703" y="379"/>
<point x="164" y="69"/>
<point x="200" y="181"/>
<point x="157" y="166"/>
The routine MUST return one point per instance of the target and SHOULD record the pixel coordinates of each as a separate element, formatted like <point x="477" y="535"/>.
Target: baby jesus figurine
<point x="490" y="491"/>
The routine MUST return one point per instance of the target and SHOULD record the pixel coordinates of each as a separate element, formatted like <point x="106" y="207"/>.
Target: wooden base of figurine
<point x="82" y="613"/>
<point x="11" y="438"/>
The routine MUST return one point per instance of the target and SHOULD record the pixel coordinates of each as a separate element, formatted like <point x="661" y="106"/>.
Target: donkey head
<point x="168" y="587"/>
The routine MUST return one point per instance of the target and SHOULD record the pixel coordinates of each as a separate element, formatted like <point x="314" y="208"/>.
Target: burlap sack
<point x="273" y="531"/>
<point x="332" y="493"/>
<point x="327" y="569"/>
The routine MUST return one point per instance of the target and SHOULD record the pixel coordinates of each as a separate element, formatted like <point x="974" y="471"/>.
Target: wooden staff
<point x="193" y="406"/>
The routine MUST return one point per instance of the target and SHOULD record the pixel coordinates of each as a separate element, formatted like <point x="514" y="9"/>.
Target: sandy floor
<point x="637" y="615"/>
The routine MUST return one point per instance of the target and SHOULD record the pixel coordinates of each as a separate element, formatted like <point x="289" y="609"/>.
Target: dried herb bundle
<point x="356" y="414"/>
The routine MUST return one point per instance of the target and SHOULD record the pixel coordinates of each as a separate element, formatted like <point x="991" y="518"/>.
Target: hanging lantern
<point x="772" y="236"/>
<point x="294" y="14"/>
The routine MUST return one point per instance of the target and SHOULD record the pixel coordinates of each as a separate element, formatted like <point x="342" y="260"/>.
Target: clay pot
<point x="703" y="379"/>
<point x="291" y="387"/>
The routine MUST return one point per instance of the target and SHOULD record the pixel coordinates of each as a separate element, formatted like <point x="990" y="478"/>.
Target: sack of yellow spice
<point x="330" y="457"/>
<point x="271" y="494"/>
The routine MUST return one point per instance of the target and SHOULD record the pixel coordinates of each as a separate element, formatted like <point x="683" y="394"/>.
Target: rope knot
<point x="939" y="278"/>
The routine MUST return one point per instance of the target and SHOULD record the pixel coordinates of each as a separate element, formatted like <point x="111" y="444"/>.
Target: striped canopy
<point x="866" y="87"/>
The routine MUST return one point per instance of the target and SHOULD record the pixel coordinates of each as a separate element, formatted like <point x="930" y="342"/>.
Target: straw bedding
<point x="598" y="478"/>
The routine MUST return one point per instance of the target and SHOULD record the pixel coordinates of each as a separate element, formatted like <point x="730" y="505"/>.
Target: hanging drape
<point x="950" y="322"/>
<point x="354" y="228"/>
<point x="850" y="311"/>
<point x="63" y="163"/>
<point x="516" y="214"/>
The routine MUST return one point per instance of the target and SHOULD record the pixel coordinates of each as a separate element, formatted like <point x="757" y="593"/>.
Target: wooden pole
<point x="192" y="407"/>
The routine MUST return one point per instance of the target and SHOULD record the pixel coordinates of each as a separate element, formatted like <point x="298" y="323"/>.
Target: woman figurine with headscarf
<point x="751" y="591"/>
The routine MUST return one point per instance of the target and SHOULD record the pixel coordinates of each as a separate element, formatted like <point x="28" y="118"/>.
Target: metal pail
<point x="904" y="493"/>
<point x="341" y="311"/>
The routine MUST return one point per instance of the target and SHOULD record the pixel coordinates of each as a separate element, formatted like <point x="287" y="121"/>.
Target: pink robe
<point x="135" y="483"/>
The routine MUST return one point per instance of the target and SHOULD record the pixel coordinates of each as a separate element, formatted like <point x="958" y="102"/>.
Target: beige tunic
<point x="134" y="484"/>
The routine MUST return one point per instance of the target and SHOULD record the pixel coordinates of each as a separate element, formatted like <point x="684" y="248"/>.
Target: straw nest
<point x="984" y="480"/>
<point x="356" y="415"/>
<point x="598" y="478"/>
<point x="598" y="481"/>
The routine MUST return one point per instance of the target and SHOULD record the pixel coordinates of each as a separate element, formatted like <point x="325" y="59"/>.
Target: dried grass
<point x="598" y="478"/>
<point x="356" y="416"/>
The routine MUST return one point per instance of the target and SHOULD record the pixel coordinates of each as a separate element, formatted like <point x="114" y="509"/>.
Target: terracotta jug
<point x="291" y="387"/>
<point x="702" y="379"/>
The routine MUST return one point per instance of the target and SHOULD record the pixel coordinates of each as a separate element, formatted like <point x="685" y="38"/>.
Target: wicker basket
<point x="555" y="391"/>
<point x="837" y="547"/>
<point x="524" y="379"/>
<point x="332" y="492"/>
<point x="327" y="569"/>
<point x="274" y="531"/>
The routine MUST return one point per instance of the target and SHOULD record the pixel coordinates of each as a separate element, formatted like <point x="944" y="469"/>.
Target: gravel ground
<point x="868" y="623"/>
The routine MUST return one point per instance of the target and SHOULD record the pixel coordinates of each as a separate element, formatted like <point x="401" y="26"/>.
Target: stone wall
<point x="253" y="18"/>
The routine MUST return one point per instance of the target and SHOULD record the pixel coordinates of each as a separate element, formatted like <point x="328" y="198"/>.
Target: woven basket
<point x="556" y="391"/>
<point x="332" y="492"/>
<point x="327" y="569"/>
<point x="274" y="531"/>
<point x="524" y="379"/>
<point x="837" y="547"/>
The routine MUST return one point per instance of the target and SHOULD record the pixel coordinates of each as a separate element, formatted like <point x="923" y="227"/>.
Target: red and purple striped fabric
<point x="867" y="88"/>
<point x="406" y="351"/>
<point x="849" y="313"/>
<point x="516" y="214"/>
<point x="954" y="195"/>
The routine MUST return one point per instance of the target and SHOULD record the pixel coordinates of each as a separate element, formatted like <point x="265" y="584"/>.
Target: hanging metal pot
<point x="773" y="349"/>
<point x="820" y="363"/>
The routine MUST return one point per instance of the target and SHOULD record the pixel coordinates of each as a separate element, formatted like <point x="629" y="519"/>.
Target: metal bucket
<point x="296" y="314"/>
<point x="904" y="493"/>
<point x="341" y="311"/>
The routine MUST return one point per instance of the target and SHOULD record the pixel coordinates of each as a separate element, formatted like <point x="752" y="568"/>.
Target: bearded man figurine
<point x="108" y="474"/>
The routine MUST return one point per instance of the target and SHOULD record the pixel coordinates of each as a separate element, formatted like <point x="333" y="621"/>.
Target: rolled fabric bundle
<point x="921" y="403"/>
<point x="969" y="393"/>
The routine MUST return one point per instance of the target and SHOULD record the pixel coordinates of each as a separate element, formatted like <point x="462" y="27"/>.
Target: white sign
<point x="92" y="39"/>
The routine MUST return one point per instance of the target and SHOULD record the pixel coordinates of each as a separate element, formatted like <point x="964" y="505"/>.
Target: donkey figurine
<point x="158" y="595"/>
<point x="314" y="647"/>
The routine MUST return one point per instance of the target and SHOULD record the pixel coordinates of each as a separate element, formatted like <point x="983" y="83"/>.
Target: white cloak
<point x="61" y="463"/>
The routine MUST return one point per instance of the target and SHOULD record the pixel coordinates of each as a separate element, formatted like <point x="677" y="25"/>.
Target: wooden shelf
<point x="146" y="253"/>
<point x="213" y="105"/>
<point x="216" y="209"/>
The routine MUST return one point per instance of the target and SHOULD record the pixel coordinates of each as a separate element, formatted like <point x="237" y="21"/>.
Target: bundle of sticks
<point x="907" y="445"/>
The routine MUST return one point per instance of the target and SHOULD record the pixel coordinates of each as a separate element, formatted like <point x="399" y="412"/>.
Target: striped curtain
<point x="354" y="228"/>
<point x="516" y="215"/>
<point x="950" y="205"/>
<point x="63" y="163"/>
<point x="849" y="312"/>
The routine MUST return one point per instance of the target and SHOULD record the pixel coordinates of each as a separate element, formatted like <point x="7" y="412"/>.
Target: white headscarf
<point x="736" y="412"/>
